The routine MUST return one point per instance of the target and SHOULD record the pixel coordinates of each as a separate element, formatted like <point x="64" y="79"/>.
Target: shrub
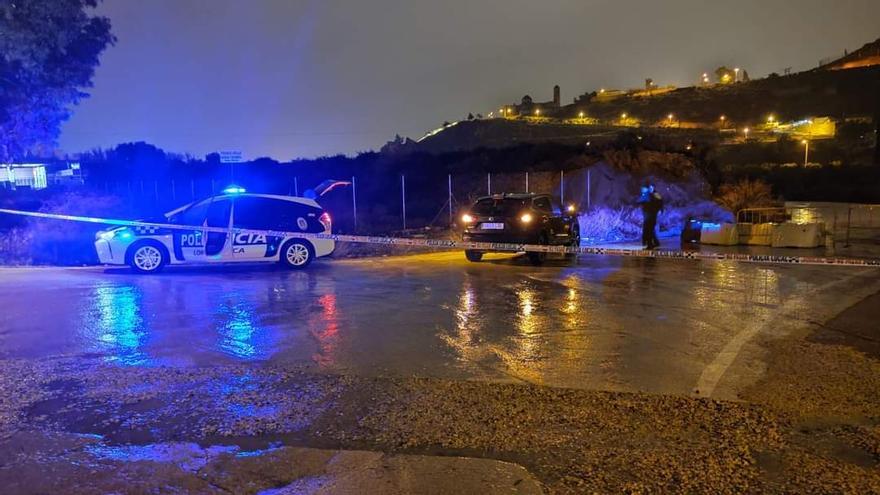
<point x="745" y="194"/>
<point x="43" y="241"/>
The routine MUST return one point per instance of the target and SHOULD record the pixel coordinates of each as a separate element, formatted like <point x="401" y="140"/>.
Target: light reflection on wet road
<point x="604" y="323"/>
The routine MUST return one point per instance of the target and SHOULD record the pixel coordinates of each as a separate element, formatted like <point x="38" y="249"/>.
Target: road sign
<point x="230" y="157"/>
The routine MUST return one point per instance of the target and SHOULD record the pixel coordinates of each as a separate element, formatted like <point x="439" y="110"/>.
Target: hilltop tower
<point x="556" y="99"/>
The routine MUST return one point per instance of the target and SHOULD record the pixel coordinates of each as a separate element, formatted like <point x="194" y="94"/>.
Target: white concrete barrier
<point x="755" y="234"/>
<point x="808" y="235"/>
<point x="719" y="234"/>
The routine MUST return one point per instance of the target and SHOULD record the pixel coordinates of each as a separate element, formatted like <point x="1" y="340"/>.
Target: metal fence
<point x="848" y="223"/>
<point x="373" y="203"/>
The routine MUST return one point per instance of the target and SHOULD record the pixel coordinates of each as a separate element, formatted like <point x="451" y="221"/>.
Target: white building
<point x="13" y="175"/>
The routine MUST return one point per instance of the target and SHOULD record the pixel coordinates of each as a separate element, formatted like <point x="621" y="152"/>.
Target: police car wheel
<point x="147" y="257"/>
<point x="297" y="253"/>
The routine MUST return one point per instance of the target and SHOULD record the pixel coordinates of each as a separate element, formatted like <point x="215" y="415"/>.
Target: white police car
<point x="149" y="249"/>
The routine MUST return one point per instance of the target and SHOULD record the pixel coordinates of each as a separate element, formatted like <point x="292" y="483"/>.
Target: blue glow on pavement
<point x="115" y="313"/>
<point x="237" y="334"/>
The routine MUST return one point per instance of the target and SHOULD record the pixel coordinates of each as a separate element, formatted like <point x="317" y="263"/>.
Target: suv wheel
<point x="147" y="257"/>
<point x="536" y="258"/>
<point x="473" y="256"/>
<point x="297" y="253"/>
<point x="575" y="236"/>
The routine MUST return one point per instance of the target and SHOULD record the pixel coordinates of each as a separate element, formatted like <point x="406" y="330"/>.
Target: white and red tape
<point x="488" y="246"/>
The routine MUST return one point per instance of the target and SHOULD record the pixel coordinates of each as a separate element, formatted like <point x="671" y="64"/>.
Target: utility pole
<point x="806" y="151"/>
<point x="354" y="203"/>
<point x="561" y="187"/>
<point x="403" y="198"/>
<point x="877" y="121"/>
<point x="449" y="184"/>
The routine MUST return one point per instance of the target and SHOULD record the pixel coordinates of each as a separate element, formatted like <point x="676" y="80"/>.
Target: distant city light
<point x="670" y="116"/>
<point x="723" y="118"/>
<point x="537" y="111"/>
<point x="581" y="114"/>
<point x="771" y="118"/>
<point x="234" y="190"/>
<point x="623" y="115"/>
<point x="746" y="131"/>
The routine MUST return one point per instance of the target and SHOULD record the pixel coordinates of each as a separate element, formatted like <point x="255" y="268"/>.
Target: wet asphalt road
<point x="666" y="326"/>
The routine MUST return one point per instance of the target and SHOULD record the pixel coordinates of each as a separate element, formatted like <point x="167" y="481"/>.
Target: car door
<point x="542" y="205"/>
<point x="561" y="224"/>
<point x="217" y="245"/>
<point x="551" y="222"/>
<point x="198" y="245"/>
<point x="250" y="212"/>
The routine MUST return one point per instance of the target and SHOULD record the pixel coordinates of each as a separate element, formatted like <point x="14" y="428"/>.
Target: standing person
<point x="651" y="203"/>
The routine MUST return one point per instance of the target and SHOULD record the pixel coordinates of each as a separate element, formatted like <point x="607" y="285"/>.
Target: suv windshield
<point x="499" y="207"/>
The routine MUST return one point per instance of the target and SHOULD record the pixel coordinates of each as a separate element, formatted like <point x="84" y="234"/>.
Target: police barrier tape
<point x="487" y="246"/>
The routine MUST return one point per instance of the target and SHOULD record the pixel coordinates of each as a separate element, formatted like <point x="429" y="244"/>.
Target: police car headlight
<point x="121" y="233"/>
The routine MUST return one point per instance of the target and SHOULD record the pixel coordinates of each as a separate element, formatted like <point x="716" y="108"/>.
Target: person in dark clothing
<point x="651" y="203"/>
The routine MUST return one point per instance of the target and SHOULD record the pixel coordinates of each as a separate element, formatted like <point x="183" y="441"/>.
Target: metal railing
<point x="773" y="214"/>
<point x="846" y="222"/>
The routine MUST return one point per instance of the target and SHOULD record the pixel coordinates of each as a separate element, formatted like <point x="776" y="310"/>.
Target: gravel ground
<point x="573" y="441"/>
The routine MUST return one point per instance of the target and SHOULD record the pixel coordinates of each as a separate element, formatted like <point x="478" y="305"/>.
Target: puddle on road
<point x="186" y="456"/>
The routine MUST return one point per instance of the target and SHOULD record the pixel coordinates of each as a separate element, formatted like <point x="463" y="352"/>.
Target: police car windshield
<point x="499" y="207"/>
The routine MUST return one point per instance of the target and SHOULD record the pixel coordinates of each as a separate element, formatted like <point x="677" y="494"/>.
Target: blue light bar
<point x="234" y="190"/>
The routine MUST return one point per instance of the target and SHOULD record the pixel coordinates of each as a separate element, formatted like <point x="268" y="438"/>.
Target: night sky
<point x="286" y="78"/>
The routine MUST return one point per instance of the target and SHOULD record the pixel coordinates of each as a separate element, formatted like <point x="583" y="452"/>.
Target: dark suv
<point x="522" y="218"/>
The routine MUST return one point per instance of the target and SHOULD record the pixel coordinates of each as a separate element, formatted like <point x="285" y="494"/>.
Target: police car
<point x="149" y="249"/>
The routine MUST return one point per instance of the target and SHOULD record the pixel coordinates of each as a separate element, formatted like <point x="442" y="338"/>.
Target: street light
<point x="770" y="118"/>
<point x="580" y="115"/>
<point x="735" y="74"/>
<point x="806" y="144"/>
<point x="537" y="111"/>
<point x="746" y="132"/>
